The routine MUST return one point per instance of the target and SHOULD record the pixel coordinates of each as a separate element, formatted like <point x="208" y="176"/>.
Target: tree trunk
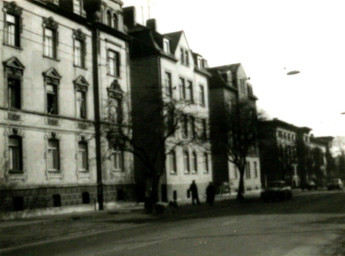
<point x="240" y="191"/>
<point x="151" y="195"/>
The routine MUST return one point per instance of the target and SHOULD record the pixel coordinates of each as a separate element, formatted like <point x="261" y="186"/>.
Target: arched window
<point x="194" y="163"/>
<point x="186" y="162"/>
<point x="109" y="18"/>
<point x="172" y="162"/>
<point x="115" y="21"/>
<point x="206" y="163"/>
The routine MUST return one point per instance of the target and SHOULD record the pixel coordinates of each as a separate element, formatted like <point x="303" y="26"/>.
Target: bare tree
<point x="152" y="136"/>
<point x="240" y="128"/>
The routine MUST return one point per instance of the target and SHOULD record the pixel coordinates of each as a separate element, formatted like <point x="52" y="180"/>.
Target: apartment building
<point x="166" y="72"/>
<point x="50" y="112"/>
<point x="229" y="85"/>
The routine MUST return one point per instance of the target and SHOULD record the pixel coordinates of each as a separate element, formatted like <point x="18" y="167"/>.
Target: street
<point x="312" y="223"/>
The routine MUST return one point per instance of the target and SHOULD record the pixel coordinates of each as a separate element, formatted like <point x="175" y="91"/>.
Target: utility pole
<point x="91" y="7"/>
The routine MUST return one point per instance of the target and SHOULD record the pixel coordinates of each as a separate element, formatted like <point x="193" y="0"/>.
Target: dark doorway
<point x="85" y="197"/>
<point x="56" y="200"/>
<point x="164" y="192"/>
<point x="18" y="203"/>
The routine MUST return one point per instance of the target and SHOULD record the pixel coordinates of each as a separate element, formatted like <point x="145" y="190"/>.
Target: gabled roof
<point x="233" y="67"/>
<point x="174" y="38"/>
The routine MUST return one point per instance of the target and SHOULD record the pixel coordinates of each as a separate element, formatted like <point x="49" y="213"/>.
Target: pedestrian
<point x="210" y="193"/>
<point x="194" y="190"/>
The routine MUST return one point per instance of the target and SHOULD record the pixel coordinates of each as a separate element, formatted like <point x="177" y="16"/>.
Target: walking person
<point x="194" y="190"/>
<point x="210" y="193"/>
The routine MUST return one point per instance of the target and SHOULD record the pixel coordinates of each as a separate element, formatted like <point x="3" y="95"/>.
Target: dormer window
<point x="200" y="62"/>
<point x="166" y="46"/>
<point x="115" y="21"/>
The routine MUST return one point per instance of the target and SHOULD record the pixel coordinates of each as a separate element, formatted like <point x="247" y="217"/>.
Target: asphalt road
<point x="312" y="223"/>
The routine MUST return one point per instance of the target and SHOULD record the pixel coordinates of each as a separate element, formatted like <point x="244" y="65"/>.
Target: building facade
<point x="285" y="152"/>
<point x="229" y="85"/>
<point x="165" y="72"/>
<point x="49" y="113"/>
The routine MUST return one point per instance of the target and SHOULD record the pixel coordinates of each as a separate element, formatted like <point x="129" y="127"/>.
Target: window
<point x="113" y="63"/>
<point x="190" y="91"/>
<point x="166" y="46"/>
<point x="53" y="155"/>
<point x="83" y="156"/>
<point x="199" y="62"/>
<point x="49" y="43"/>
<point x="186" y="55"/>
<point x="115" y="21"/>
<point x="115" y="110"/>
<point x="109" y="18"/>
<point x="78" y="53"/>
<point x="52" y="99"/>
<point x="206" y="170"/>
<point x="81" y="104"/>
<point x="248" y="170"/>
<point x="255" y="169"/>
<point x="77" y="7"/>
<point x="12" y="30"/>
<point x="171" y="125"/>
<point x="182" y="89"/>
<point x="204" y="129"/>
<point x="117" y="159"/>
<point x="202" y="96"/>
<point x="14" y="93"/>
<point x="172" y="162"/>
<point x="182" y="56"/>
<point x="185" y="126"/>
<point x="235" y="172"/>
<point x="168" y="84"/>
<point x="57" y="200"/>
<point x="15" y="154"/>
<point x="85" y="198"/>
<point x="194" y="163"/>
<point x="192" y="127"/>
<point x="186" y="162"/>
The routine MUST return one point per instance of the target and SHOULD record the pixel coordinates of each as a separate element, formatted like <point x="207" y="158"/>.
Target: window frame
<point x="83" y="156"/>
<point x="18" y="90"/>
<point x="19" y="151"/>
<point x="172" y="164"/>
<point x="114" y="71"/>
<point x="117" y="159"/>
<point x="53" y="149"/>
<point x="186" y="162"/>
<point x="11" y="8"/>
<point x="194" y="162"/>
<point x="202" y="95"/>
<point x="166" y="46"/>
<point x="49" y="24"/>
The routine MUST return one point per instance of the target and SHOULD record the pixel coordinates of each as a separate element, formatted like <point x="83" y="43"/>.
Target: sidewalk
<point x="22" y="232"/>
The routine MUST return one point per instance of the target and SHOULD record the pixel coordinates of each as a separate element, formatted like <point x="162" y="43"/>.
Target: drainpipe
<point x="91" y="7"/>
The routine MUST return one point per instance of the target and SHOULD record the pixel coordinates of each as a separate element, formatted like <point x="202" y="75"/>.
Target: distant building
<point x="228" y="84"/>
<point x="284" y="152"/>
<point x="47" y="106"/>
<point x="164" y="69"/>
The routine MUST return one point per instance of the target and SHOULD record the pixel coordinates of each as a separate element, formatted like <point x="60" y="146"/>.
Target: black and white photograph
<point x="172" y="128"/>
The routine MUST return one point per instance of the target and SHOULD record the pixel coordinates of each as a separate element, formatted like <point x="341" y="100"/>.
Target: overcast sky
<point x="270" y="38"/>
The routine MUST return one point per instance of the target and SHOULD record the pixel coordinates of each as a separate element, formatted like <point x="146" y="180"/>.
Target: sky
<point x="270" y="38"/>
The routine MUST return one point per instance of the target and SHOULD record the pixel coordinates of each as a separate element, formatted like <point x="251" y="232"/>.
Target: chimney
<point x="129" y="16"/>
<point x="151" y="24"/>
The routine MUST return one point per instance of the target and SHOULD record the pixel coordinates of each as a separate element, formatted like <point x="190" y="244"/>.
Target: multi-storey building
<point x="52" y="105"/>
<point x="229" y="85"/>
<point x="285" y="152"/>
<point x="165" y="70"/>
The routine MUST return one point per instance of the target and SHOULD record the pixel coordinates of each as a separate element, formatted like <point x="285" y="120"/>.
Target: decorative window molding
<point x="12" y="24"/>
<point x="50" y="37"/>
<point x="81" y="84"/>
<point x="14" y="70"/>
<point x="114" y="90"/>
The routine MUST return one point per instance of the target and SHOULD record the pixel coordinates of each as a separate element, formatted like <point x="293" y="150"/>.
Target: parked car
<point x="277" y="191"/>
<point x="309" y="185"/>
<point x="335" y="183"/>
